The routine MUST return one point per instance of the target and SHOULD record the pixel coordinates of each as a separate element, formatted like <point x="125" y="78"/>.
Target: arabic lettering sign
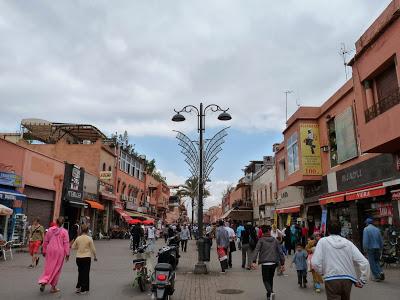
<point x="106" y="175"/>
<point x="310" y="149"/>
<point x="73" y="183"/>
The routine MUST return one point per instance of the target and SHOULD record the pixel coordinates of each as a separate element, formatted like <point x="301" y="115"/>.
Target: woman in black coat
<point x="287" y="240"/>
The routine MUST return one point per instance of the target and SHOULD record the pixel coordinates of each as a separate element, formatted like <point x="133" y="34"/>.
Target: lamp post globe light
<point x="200" y="267"/>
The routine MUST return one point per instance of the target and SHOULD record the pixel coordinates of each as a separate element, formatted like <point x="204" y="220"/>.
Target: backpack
<point x="252" y="241"/>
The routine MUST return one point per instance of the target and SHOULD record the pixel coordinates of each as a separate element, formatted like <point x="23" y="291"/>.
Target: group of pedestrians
<point x="55" y="247"/>
<point x="331" y="260"/>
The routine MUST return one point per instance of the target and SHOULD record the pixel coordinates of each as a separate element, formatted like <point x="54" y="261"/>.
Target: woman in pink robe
<point x="55" y="250"/>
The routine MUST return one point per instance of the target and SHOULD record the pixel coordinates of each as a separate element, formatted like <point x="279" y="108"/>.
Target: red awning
<point x="95" y="205"/>
<point x="288" y="210"/>
<point x="331" y="198"/>
<point x="366" y="192"/>
<point x="124" y="215"/>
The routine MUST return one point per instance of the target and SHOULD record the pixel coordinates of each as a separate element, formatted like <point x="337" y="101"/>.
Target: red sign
<point x="396" y="196"/>
<point x="386" y="210"/>
<point x="366" y="194"/>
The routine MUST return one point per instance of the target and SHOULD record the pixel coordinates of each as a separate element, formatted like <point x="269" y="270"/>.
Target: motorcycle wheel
<point x="141" y="284"/>
<point x="382" y="262"/>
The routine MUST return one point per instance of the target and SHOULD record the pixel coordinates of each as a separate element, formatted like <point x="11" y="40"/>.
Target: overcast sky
<point x="124" y="65"/>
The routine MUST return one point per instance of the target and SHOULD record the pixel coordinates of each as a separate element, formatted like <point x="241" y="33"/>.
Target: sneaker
<point x="318" y="290"/>
<point x="382" y="276"/>
<point x="376" y="279"/>
<point x="83" y="293"/>
<point x="223" y="272"/>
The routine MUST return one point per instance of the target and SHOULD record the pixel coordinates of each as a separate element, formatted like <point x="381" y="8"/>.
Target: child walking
<point x="317" y="278"/>
<point x="300" y="260"/>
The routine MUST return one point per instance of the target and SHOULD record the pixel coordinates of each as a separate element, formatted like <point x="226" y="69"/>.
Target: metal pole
<point x="200" y="267"/>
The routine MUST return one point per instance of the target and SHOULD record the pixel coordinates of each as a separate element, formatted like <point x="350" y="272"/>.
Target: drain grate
<point x="230" y="292"/>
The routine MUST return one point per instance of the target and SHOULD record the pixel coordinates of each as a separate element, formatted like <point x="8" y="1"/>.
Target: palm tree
<point x="190" y="189"/>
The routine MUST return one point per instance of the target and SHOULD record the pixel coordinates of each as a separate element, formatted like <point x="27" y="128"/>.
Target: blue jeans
<point x="373" y="258"/>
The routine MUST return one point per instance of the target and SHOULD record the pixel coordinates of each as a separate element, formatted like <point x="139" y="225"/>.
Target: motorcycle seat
<point x="140" y="260"/>
<point x="163" y="267"/>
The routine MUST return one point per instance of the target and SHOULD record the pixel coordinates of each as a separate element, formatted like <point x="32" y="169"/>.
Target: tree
<point x="191" y="189"/>
<point x="150" y="166"/>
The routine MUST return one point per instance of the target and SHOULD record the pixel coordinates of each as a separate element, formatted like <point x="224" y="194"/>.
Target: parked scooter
<point x="142" y="277"/>
<point x="163" y="285"/>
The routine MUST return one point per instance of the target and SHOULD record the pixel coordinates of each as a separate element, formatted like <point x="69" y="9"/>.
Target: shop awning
<point x="77" y="204"/>
<point x="366" y="192"/>
<point x="331" y="198"/>
<point x="140" y="216"/>
<point x="288" y="210"/>
<point x="5" y="211"/>
<point x="95" y="205"/>
<point x="107" y="196"/>
<point x="123" y="214"/>
<point x="239" y="214"/>
<point x="7" y="194"/>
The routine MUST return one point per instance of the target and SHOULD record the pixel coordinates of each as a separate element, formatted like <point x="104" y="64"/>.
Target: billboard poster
<point x="345" y="136"/>
<point x="310" y="149"/>
<point x="323" y="221"/>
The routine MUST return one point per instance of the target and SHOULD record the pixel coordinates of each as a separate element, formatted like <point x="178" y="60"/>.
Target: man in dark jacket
<point x="270" y="255"/>
<point x="137" y="234"/>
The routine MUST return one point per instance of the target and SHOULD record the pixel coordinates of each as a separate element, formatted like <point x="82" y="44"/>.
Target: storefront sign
<point x="10" y="179"/>
<point x="310" y="149"/>
<point x="73" y="183"/>
<point x="365" y="194"/>
<point x="345" y="136"/>
<point x="377" y="169"/>
<point x="385" y="209"/>
<point x="105" y="175"/>
<point x="396" y="196"/>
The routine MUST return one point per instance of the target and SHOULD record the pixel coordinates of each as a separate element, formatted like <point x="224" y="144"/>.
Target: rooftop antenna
<point x="298" y="99"/>
<point x="344" y="52"/>
<point x="286" y="93"/>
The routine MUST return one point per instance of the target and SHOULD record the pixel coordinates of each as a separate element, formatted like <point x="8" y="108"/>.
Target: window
<point x="386" y="83"/>
<point x="282" y="170"/>
<point x="332" y="142"/>
<point x="293" y="153"/>
<point x="109" y="168"/>
<point x="104" y="166"/>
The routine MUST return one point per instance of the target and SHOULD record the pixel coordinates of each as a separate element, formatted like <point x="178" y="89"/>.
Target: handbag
<point x="232" y="246"/>
<point x="222" y="255"/>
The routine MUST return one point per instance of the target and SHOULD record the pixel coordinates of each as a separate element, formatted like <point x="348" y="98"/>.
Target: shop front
<point x="313" y="209"/>
<point x="289" y="206"/>
<point x="39" y="204"/>
<point x="73" y="205"/>
<point x="12" y="218"/>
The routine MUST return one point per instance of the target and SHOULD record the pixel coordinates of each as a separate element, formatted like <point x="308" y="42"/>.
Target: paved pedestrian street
<point x="111" y="278"/>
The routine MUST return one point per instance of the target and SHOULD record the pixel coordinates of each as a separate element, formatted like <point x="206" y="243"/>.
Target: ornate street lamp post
<point x="200" y="267"/>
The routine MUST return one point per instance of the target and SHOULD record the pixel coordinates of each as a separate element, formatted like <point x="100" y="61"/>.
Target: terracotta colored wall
<point x="44" y="172"/>
<point x="385" y="127"/>
<point x="86" y="156"/>
<point x="11" y="157"/>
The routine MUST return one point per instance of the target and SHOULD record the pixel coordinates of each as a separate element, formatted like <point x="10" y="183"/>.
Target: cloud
<point x="126" y="66"/>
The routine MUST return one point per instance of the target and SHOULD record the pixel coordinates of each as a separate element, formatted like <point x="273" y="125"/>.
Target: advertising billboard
<point x="310" y="149"/>
<point x="345" y="136"/>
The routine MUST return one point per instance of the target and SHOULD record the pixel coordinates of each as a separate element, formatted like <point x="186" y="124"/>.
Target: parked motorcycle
<point x="163" y="285"/>
<point x="142" y="275"/>
<point x="391" y="251"/>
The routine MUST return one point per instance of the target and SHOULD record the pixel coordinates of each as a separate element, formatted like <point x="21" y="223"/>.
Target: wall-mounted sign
<point x="345" y="136"/>
<point x="310" y="149"/>
<point x="73" y="183"/>
<point x="10" y="179"/>
<point x="105" y="175"/>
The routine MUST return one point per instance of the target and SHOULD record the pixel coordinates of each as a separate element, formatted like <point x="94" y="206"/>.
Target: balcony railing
<point x="382" y="105"/>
